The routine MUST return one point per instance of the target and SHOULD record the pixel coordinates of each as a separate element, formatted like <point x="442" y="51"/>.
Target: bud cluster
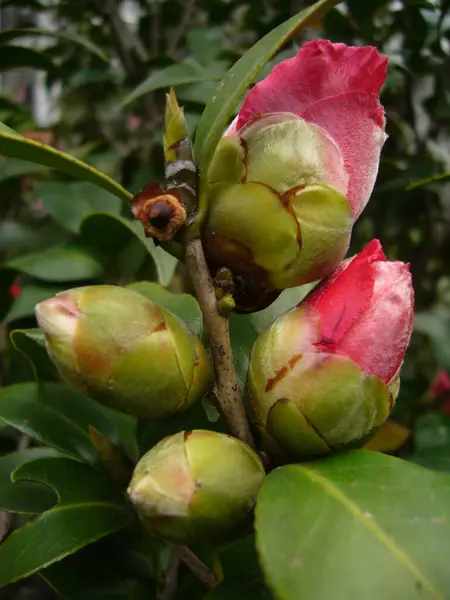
<point x="288" y="180"/>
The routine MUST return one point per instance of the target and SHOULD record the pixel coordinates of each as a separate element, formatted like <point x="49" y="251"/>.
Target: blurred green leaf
<point x="11" y="34"/>
<point x="30" y="344"/>
<point x="441" y="178"/>
<point x="12" y="144"/>
<point x="243" y="334"/>
<point x="285" y="301"/>
<point x="24" y="304"/>
<point x="117" y="233"/>
<point x="24" y="496"/>
<point x="15" y="57"/>
<point x="432" y="441"/>
<point x="221" y="105"/>
<point x="59" y="263"/>
<point x="435" y="323"/>
<point x="19" y="407"/>
<point x="183" y="306"/>
<point x="177" y="74"/>
<point x="89" y="508"/>
<point x="70" y="203"/>
<point x="358" y="524"/>
<point x="10" y="168"/>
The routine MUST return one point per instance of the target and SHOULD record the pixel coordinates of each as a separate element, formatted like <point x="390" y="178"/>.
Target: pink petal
<point x="356" y="122"/>
<point x="343" y="297"/>
<point x="320" y="70"/>
<point x="379" y="340"/>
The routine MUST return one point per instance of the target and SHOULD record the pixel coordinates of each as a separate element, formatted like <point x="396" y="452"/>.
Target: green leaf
<point x="355" y="525"/>
<point x="75" y="579"/>
<point x="20" y="408"/>
<point x="183" y="306"/>
<point x="285" y="301"/>
<point x="11" y="168"/>
<point x="117" y="234"/>
<point x="24" y="496"/>
<point x="14" y="145"/>
<point x="89" y="508"/>
<point x="24" y="304"/>
<point x="435" y="323"/>
<point x="69" y="203"/>
<point x="432" y="441"/>
<point x="243" y="579"/>
<point x="178" y="74"/>
<point x="243" y="336"/>
<point x="30" y="343"/>
<point x="231" y="88"/>
<point x="59" y="263"/>
<point x="441" y="178"/>
<point x="15" y="57"/>
<point x="11" y="34"/>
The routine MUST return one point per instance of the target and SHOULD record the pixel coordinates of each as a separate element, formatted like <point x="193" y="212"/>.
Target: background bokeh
<point x="56" y="233"/>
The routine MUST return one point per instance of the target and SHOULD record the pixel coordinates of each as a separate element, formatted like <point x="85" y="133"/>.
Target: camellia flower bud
<point x="196" y="485"/>
<point x="294" y="171"/>
<point x="124" y="350"/>
<point x="326" y="374"/>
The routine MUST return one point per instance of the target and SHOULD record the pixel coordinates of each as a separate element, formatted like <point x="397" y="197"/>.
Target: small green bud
<point x="124" y="350"/>
<point x="196" y="485"/>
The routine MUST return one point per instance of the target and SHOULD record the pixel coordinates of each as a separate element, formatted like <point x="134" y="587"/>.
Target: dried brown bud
<point x="161" y="213"/>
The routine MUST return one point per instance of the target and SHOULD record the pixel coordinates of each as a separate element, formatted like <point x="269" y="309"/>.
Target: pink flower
<point x="334" y="87"/>
<point x="15" y="290"/>
<point x="366" y="312"/>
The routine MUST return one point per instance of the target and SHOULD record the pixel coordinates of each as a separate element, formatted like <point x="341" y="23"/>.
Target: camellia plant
<point x="174" y="462"/>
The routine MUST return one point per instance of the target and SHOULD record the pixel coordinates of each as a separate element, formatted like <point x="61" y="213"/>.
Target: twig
<point x="227" y="387"/>
<point x="170" y="583"/>
<point x="197" y="566"/>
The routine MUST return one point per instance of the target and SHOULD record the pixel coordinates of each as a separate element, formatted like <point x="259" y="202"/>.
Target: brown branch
<point x="227" y="387"/>
<point x="197" y="566"/>
<point x="170" y="582"/>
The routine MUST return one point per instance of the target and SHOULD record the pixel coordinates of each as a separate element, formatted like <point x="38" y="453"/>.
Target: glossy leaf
<point x="178" y="74"/>
<point x="30" y="343"/>
<point x="24" y="496"/>
<point x="20" y="409"/>
<point x="70" y="203"/>
<point x="358" y="524"/>
<point x="239" y="77"/>
<point x="89" y="508"/>
<point x="183" y="306"/>
<point x="11" y="34"/>
<point x="14" y="145"/>
<point x="16" y="57"/>
<point x="59" y="263"/>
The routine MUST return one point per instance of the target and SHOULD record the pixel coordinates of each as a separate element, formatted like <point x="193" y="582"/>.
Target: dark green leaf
<point x="436" y="324"/>
<point x="12" y="167"/>
<point x="24" y="496"/>
<point x="243" y="579"/>
<point x="19" y="407"/>
<point x="12" y="144"/>
<point x="183" y="306"/>
<point x="89" y="508"/>
<point x="30" y="343"/>
<point x="229" y="92"/>
<point x="441" y="178"/>
<point x="59" y="263"/>
<point x="117" y="233"/>
<point x="285" y="301"/>
<point x="356" y="525"/>
<point x="14" y="57"/>
<point x="11" y="34"/>
<point x="178" y="74"/>
<point x="70" y="203"/>
<point x="75" y="579"/>
<point x="432" y="441"/>
<point x="24" y="304"/>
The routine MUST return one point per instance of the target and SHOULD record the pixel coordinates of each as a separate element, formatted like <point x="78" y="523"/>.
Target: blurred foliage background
<point x="96" y="89"/>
